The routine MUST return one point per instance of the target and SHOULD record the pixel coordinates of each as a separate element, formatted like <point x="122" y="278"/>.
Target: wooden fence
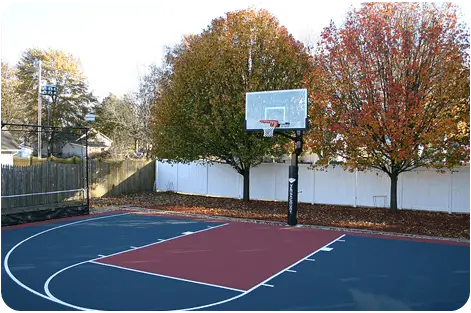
<point x="105" y="178"/>
<point x="27" y="161"/>
<point x="117" y="178"/>
<point x="28" y="184"/>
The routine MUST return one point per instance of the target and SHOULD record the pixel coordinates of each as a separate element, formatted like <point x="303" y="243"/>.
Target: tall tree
<point x="14" y="109"/>
<point x="63" y="70"/>
<point x="392" y="91"/>
<point x="116" y="119"/>
<point x="201" y="114"/>
<point x="143" y="101"/>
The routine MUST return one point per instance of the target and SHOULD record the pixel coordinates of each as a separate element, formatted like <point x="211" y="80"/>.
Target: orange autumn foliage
<point x="391" y="91"/>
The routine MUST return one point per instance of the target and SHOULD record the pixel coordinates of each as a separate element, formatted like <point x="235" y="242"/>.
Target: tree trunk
<point x="246" y="175"/>
<point x="393" y="194"/>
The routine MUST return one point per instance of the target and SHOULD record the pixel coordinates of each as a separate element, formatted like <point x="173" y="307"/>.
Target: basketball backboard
<point x="288" y="107"/>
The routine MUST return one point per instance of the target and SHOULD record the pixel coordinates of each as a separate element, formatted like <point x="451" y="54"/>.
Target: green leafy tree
<point x="142" y="102"/>
<point x="62" y="70"/>
<point x="14" y="109"/>
<point x="116" y="119"/>
<point x="201" y="111"/>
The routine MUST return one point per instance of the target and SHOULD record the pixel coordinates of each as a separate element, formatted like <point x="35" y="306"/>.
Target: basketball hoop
<point x="268" y="127"/>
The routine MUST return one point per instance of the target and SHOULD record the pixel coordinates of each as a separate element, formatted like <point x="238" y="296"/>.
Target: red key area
<point x="238" y="255"/>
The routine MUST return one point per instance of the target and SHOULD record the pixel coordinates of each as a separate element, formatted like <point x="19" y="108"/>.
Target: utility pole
<point x="39" y="111"/>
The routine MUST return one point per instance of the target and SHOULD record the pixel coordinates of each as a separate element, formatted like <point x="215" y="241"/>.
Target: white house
<point x="72" y="149"/>
<point x="9" y="148"/>
<point x="97" y="143"/>
<point x="26" y="151"/>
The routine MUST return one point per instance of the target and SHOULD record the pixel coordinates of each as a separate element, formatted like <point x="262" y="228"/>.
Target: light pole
<point x="50" y="90"/>
<point x="39" y="111"/>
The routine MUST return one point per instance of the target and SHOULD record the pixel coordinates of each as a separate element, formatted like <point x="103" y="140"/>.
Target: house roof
<point x="8" y="142"/>
<point x="64" y="137"/>
<point x="73" y="144"/>
<point x="90" y="145"/>
<point x="95" y="132"/>
<point x="79" y="139"/>
<point x="104" y="136"/>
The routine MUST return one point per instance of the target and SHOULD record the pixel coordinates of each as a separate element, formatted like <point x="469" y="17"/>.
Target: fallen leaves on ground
<point x="415" y="222"/>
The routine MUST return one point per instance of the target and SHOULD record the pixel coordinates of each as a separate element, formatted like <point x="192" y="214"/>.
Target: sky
<point x="116" y="41"/>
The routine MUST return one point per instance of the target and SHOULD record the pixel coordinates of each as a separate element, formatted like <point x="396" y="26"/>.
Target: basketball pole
<point x="293" y="177"/>
<point x="281" y="106"/>
<point x="293" y="180"/>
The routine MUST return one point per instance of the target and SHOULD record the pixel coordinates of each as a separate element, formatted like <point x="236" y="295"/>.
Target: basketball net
<point x="268" y="127"/>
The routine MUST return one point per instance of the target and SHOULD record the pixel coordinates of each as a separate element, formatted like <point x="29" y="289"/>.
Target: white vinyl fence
<point x="423" y="189"/>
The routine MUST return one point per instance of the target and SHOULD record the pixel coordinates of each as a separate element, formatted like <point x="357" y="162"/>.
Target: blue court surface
<point x="129" y="261"/>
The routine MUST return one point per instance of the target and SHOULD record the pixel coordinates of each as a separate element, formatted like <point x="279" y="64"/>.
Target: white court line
<point x="341" y="240"/>
<point x="327" y="249"/>
<point x="164" y="240"/>
<point x="48" y="281"/>
<point x="312" y="260"/>
<point x="101" y="255"/>
<point x="132" y="247"/>
<point x="263" y="282"/>
<point x="52" y="298"/>
<point x="7" y="257"/>
<point x="165" y="276"/>
<point x="267" y="285"/>
<point x="292" y="271"/>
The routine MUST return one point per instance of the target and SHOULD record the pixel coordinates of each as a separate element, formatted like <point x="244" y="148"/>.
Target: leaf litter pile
<point x="413" y="222"/>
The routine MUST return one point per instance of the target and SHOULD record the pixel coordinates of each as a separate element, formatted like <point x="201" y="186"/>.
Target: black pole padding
<point x="293" y="195"/>
<point x="293" y="180"/>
